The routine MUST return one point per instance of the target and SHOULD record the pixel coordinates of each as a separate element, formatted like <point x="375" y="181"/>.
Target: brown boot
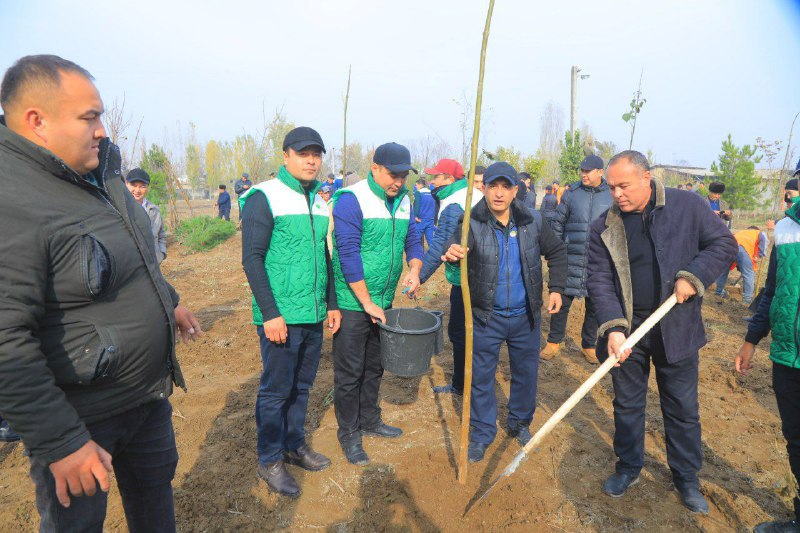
<point x="590" y="354"/>
<point x="550" y="351"/>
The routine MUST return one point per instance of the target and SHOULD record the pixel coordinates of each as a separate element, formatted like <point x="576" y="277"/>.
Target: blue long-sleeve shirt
<point x="348" y="222"/>
<point x="448" y="222"/>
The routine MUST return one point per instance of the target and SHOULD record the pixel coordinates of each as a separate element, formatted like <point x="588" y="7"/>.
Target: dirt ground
<point x="411" y="483"/>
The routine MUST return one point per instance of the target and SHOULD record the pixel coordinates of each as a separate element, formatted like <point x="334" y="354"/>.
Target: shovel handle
<point x="598" y="374"/>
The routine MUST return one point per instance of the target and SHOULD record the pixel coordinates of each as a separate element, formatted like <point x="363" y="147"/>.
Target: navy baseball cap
<point x="500" y="170"/>
<point x="137" y="174"/>
<point x="395" y="157"/>
<point x="302" y="137"/>
<point x="592" y="162"/>
<point x="245" y="175"/>
<point x="326" y="188"/>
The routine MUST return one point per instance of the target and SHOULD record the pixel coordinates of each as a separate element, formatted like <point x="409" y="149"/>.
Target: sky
<point x="709" y="68"/>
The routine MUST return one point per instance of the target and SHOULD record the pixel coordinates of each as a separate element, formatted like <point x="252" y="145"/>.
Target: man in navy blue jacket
<point x="506" y="242"/>
<point x="652" y="242"/>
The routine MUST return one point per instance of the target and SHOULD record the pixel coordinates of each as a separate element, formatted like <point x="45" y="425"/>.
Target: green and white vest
<point x="456" y="193"/>
<point x="383" y="240"/>
<point x="295" y="260"/>
<point x="784" y="312"/>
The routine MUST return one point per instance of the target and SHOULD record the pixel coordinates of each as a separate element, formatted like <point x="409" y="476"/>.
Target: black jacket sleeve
<point x="35" y="407"/>
<point x="257" y="226"/>
<point x="600" y="282"/>
<point x="333" y="304"/>
<point x="759" y="324"/>
<point x="555" y="252"/>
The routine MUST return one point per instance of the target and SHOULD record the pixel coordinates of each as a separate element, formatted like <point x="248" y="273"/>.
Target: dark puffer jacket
<point x="86" y="318"/>
<point x="535" y="238"/>
<point x="571" y="222"/>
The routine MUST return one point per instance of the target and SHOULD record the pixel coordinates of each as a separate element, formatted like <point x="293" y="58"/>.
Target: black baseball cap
<point x="500" y="170"/>
<point x="592" y="162"/>
<point x="395" y="157"/>
<point x="302" y="137"/>
<point x="137" y="174"/>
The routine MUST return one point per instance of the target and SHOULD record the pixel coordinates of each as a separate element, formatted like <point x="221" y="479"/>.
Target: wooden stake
<point x="344" y="145"/>
<point x="465" y="412"/>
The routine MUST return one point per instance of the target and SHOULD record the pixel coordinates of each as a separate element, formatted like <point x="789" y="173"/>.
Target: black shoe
<point x="617" y="484"/>
<point x="279" y="479"/>
<point x="448" y="389"/>
<point x="475" y="452"/>
<point x="693" y="499"/>
<point x="382" y="430"/>
<point x="792" y="526"/>
<point x="521" y="433"/>
<point x="307" y="459"/>
<point x="6" y="433"/>
<point x="355" y="454"/>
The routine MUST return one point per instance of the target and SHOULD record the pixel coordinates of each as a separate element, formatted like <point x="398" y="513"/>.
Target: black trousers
<point x="786" y="383"/>
<point x="677" y="391"/>
<point x="357" y="373"/>
<point x="456" y="332"/>
<point x="558" y="323"/>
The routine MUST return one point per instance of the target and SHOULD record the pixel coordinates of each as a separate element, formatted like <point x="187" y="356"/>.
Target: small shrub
<point x="203" y="233"/>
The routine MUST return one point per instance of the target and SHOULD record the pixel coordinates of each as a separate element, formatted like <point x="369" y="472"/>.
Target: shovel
<point x="578" y="395"/>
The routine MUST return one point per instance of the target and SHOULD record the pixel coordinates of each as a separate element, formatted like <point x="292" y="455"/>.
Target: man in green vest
<point x="373" y="226"/>
<point x="778" y="312"/>
<point x="286" y="260"/>
<point x="450" y="193"/>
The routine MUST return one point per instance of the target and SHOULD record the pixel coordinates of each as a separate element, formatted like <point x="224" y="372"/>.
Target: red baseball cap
<point x="447" y="166"/>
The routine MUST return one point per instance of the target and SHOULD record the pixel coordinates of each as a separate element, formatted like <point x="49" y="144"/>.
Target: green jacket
<point x="383" y="239"/>
<point x="783" y="312"/>
<point x="295" y="260"/>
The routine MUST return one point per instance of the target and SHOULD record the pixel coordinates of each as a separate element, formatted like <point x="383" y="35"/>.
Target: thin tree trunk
<point x="462" y="463"/>
<point x="344" y="144"/>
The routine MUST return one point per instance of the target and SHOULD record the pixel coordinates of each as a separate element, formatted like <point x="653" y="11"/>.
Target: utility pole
<point x="573" y="107"/>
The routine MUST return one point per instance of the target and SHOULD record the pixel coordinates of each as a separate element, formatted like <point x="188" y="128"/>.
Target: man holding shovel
<point x="373" y="226"/>
<point x="506" y="242"/>
<point x="654" y="241"/>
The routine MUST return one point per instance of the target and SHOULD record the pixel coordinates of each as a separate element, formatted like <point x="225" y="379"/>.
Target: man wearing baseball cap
<point x="373" y="226"/>
<point x="586" y="201"/>
<point x="241" y="186"/>
<point x="286" y="260"/>
<point x="450" y="193"/>
<point x="506" y="242"/>
<point x="138" y="182"/>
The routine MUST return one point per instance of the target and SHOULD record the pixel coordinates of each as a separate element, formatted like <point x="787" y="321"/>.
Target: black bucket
<point x="439" y="333"/>
<point x="408" y="340"/>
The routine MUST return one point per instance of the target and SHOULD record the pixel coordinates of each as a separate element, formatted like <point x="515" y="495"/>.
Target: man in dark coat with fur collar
<point x="651" y="243"/>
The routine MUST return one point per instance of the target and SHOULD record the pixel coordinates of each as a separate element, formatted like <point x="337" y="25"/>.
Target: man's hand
<point x="615" y="340"/>
<point x="334" y="320"/>
<point x="554" y="305"/>
<point x="79" y="470"/>
<point x="742" y="361"/>
<point x="412" y="283"/>
<point x="375" y="312"/>
<point x="454" y="254"/>
<point x="684" y="290"/>
<point x="186" y="325"/>
<point x="276" y="330"/>
<point x="417" y="219"/>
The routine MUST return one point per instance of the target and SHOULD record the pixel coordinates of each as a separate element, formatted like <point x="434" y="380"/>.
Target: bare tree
<point x="550" y="136"/>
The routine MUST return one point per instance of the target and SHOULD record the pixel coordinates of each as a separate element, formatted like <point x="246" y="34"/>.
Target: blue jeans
<point x="523" y="340"/>
<point x="745" y="265"/>
<point x="141" y="442"/>
<point x="289" y="371"/>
